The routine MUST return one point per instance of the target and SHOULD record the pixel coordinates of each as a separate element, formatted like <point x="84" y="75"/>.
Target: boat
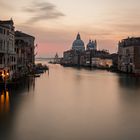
<point x="37" y="75"/>
<point x="39" y="68"/>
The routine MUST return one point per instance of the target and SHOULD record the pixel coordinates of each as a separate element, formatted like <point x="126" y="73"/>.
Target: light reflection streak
<point x="4" y="102"/>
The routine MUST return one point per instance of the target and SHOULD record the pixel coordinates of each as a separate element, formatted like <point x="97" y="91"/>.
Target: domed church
<point x="92" y="45"/>
<point x="78" y="44"/>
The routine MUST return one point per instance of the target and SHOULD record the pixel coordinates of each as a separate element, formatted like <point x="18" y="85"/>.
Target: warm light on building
<point x="104" y="63"/>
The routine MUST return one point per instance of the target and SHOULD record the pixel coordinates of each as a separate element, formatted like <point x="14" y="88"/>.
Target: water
<point x="72" y="104"/>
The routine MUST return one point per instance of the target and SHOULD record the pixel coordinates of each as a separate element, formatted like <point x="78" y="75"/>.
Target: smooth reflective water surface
<point x="72" y="104"/>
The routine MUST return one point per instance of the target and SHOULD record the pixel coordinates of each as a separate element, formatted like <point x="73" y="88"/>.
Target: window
<point x="127" y="51"/>
<point x="4" y="31"/>
<point x="0" y="59"/>
<point x="0" y="43"/>
<point x="7" y="44"/>
<point x="1" y="30"/>
<point x="131" y="60"/>
<point x="4" y="60"/>
<point x="4" y="43"/>
<point x="7" y="32"/>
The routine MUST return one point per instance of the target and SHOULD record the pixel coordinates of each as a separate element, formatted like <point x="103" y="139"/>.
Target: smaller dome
<point x="91" y="45"/>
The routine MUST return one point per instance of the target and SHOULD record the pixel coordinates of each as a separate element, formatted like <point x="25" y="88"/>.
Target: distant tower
<point x="56" y="55"/>
<point x="56" y="58"/>
<point x="95" y="44"/>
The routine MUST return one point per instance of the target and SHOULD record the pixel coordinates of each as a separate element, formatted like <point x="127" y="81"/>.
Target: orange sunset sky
<point x="55" y="23"/>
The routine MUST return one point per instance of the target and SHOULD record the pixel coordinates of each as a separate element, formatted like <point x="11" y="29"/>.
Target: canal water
<point x="72" y="104"/>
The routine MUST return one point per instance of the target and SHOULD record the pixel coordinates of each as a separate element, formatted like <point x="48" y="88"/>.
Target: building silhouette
<point x="89" y="57"/>
<point x="16" y="51"/>
<point x="129" y="55"/>
<point x="7" y="49"/>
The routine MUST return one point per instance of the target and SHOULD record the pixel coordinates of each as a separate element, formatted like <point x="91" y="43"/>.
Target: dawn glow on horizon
<point x="55" y="23"/>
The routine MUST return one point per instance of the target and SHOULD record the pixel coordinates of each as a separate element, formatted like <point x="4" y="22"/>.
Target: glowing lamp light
<point x="3" y="75"/>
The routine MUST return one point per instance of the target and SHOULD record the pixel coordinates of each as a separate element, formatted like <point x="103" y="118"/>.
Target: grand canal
<point x="72" y="104"/>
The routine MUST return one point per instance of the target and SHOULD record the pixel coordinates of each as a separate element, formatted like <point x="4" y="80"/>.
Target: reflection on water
<point x="72" y="104"/>
<point x="26" y="86"/>
<point x="4" y="102"/>
<point x="10" y="101"/>
<point x="129" y="82"/>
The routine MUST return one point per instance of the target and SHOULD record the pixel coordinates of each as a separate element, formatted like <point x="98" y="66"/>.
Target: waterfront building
<point x="101" y="63"/>
<point x="101" y="54"/>
<point x="78" y="44"/>
<point x="67" y="57"/>
<point x="7" y="50"/>
<point x="85" y="58"/>
<point x="95" y="58"/>
<point x="71" y="57"/>
<point x="78" y="56"/>
<point x="24" y="46"/>
<point x="114" y="58"/>
<point x="129" y="55"/>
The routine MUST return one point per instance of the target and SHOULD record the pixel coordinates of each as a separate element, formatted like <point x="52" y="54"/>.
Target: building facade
<point x="101" y="63"/>
<point x="7" y="50"/>
<point x="24" y="46"/>
<point x="71" y="57"/>
<point x="129" y="55"/>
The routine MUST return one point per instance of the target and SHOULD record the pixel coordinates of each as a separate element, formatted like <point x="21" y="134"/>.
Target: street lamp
<point x="5" y="76"/>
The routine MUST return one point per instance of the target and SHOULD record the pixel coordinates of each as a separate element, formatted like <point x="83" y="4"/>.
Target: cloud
<point x="42" y="11"/>
<point x="5" y="6"/>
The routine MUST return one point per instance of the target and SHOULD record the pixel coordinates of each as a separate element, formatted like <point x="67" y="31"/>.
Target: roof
<point x="133" y="41"/>
<point x="21" y="34"/>
<point x="7" y="22"/>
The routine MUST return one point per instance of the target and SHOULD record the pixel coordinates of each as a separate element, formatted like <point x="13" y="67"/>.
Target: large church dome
<point x="78" y="44"/>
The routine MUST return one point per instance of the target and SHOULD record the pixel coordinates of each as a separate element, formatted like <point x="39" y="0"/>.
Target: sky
<point x="55" y="23"/>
